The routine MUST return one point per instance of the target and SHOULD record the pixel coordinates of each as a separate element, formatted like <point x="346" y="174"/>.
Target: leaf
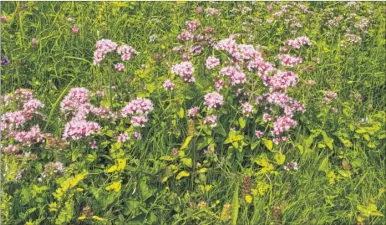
<point x="167" y="158"/>
<point x="324" y="165"/>
<point x="115" y="186"/>
<point x="187" y="162"/>
<point x="242" y="122"/>
<point x="235" y="205"/>
<point x="181" y="113"/>
<point x="268" y="144"/>
<point x="182" y="174"/>
<point x="186" y="143"/>
<point x="279" y="157"/>
<point x="121" y="164"/>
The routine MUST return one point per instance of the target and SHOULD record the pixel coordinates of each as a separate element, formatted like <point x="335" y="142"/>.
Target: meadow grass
<point x="337" y="182"/>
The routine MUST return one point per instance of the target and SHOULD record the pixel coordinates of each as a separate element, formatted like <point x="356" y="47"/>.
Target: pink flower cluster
<point x="212" y="62"/>
<point x="192" y="25"/>
<point x="235" y="74"/>
<point x="138" y="108"/>
<point x="168" y="85"/>
<point x="281" y="80"/>
<point x="14" y="124"/>
<point x="119" y="67"/>
<point x="192" y="113"/>
<point x="211" y="120"/>
<point x="246" y="108"/>
<point x="288" y="60"/>
<point x="102" y="48"/>
<point x="126" y="52"/>
<point x="184" y="70"/>
<point x="283" y="124"/>
<point x="298" y="42"/>
<point x="77" y="129"/>
<point x="213" y="100"/>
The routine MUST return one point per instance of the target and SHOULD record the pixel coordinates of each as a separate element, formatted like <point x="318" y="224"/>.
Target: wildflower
<point x="213" y="100"/>
<point x="123" y="137"/>
<point x="287" y="60"/>
<point x="11" y="149"/>
<point x="139" y="121"/>
<point x="53" y="168"/>
<point x="267" y="117"/>
<point x="199" y="10"/>
<point x="34" y="42"/>
<point x="93" y="144"/>
<point x="75" y="98"/>
<point x="4" y="61"/>
<point x="259" y="133"/>
<point x="137" y="135"/>
<point x="334" y="110"/>
<point x="185" y="36"/>
<point x="119" y="67"/>
<point x="212" y="12"/>
<point x="329" y="96"/>
<point x="269" y="7"/>
<point x="168" y="85"/>
<point x="219" y="84"/>
<point x="212" y="62"/>
<point x="126" y="52"/>
<point x="70" y="20"/>
<point x="247" y="108"/>
<point x="192" y="25"/>
<point x="298" y="42"/>
<point x="75" y="30"/>
<point x="211" y="120"/>
<point x="185" y="70"/>
<point x="81" y="128"/>
<point x="235" y="75"/>
<point x="137" y="106"/>
<point x="192" y="113"/>
<point x="195" y="50"/>
<point x="282" y="124"/>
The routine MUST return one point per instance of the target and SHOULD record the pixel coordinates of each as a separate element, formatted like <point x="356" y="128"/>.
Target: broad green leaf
<point x="242" y="122"/>
<point x="181" y="113"/>
<point x="186" y="143"/>
<point x="182" y="174"/>
<point x="187" y="162"/>
<point x="268" y="144"/>
<point x="279" y="157"/>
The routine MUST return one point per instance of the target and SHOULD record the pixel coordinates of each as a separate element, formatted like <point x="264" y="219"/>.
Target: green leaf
<point x="279" y="157"/>
<point x="182" y="174"/>
<point x="324" y="165"/>
<point x="186" y="143"/>
<point x="235" y="205"/>
<point x="242" y="122"/>
<point x="187" y="162"/>
<point x="268" y="144"/>
<point x="181" y="113"/>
